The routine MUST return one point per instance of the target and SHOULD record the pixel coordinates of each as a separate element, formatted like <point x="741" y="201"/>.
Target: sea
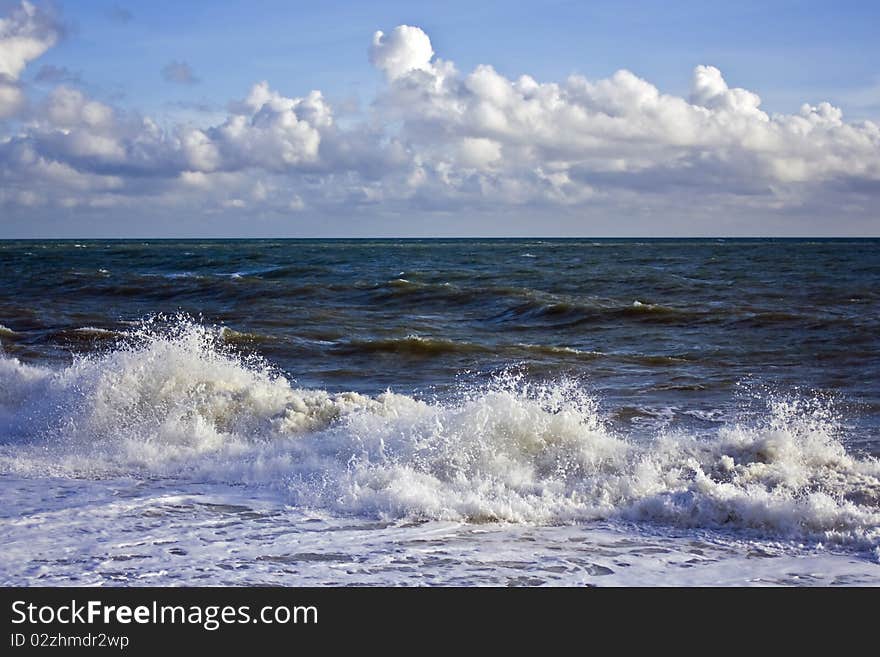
<point x="449" y="412"/>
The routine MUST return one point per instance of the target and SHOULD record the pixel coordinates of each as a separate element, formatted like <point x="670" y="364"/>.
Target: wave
<point x="243" y="338"/>
<point x="527" y="307"/>
<point x="412" y="345"/>
<point x="86" y="335"/>
<point x="408" y="291"/>
<point x="567" y="313"/>
<point x="179" y="403"/>
<point x="428" y="347"/>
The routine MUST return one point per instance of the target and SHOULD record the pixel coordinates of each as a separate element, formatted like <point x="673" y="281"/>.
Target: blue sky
<point x="188" y="67"/>
<point x="788" y="51"/>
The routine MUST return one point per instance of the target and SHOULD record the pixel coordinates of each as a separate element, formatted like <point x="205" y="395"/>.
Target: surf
<point x="173" y="399"/>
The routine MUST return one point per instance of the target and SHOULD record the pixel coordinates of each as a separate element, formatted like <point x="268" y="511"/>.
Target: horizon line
<point x="451" y="237"/>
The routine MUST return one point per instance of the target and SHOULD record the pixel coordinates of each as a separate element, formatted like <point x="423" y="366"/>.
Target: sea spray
<point x="174" y="400"/>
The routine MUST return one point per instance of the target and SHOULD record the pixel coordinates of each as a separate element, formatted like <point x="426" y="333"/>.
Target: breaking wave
<point x="177" y="402"/>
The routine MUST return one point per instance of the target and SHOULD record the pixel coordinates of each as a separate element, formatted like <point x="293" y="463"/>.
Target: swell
<point x="487" y="299"/>
<point x="411" y="345"/>
<point x="431" y="347"/>
<point x="93" y="338"/>
<point x="178" y="403"/>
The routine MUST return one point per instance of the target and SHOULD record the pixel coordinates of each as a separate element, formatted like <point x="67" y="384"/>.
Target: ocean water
<point x="457" y="412"/>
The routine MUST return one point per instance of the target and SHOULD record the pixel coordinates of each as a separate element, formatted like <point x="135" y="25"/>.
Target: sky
<point x="334" y="119"/>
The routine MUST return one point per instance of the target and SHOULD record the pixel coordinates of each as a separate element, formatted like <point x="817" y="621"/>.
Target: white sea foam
<point x="178" y="404"/>
<point x="93" y="330"/>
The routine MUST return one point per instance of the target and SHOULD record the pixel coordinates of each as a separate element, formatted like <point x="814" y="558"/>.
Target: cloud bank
<point x="436" y="141"/>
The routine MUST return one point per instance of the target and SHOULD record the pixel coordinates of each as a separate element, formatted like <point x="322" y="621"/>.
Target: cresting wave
<point x="178" y="403"/>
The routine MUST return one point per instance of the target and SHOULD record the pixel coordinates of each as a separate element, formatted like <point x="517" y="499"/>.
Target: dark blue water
<point x="669" y="330"/>
<point x="211" y="411"/>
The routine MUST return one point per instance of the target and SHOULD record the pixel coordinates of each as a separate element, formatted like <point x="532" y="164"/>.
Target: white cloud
<point x="406" y="49"/>
<point x="69" y="108"/>
<point x="479" y="152"/>
<point x="622" y="133"/>
<point x="710" y="90"/>
<point x="11" y="98"/>
<point x="265" y="131"/>
<point x="440" y="140"/>
<point x="25" y="34"/>
<point x="201" y="153"/>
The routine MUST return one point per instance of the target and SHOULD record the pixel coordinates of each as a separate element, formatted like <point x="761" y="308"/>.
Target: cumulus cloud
<point x="179" y="73"/>
<point x="710" y="90"/>
<point x="266" y="130"/>
<point x="25" y="34"/>
<point x="438" y="140"/>
<point x="564" y="140"/>
<point x="406" y="49"/>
